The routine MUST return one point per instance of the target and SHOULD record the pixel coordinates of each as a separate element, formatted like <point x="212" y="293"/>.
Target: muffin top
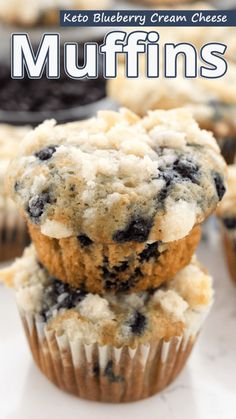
<point x="10" y="138"/>
<point x="173" y="310"/>
<point x="118" y="178"/>
<point x="227" y="209"/>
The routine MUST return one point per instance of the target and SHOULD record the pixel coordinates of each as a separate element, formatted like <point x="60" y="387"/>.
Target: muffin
<point x="227" y="216"/>
<point x="31" y="13"/>
<point x="212" y="101"/>
<point x="117" y="193"/>
<point x="119" y="348"/>
<point x="13" y="232"/>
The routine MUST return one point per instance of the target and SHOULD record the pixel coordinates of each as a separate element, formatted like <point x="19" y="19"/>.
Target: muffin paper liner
<point x="106" y="373"/>
<point x="13" y="235"/>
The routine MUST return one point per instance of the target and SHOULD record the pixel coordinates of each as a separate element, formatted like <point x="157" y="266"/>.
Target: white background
<point x="205" y="390"/>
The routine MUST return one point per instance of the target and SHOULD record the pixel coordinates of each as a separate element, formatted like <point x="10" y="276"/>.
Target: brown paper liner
<point x="13" y="235"/>
<point x="230" y="253"/>
<point x="106" y="373"/>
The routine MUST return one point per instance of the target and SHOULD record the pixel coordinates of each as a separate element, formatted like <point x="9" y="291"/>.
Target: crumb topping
<point x="118" y="178"/>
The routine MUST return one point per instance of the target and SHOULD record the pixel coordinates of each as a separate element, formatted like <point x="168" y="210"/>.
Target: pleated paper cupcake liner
<point x="13" y="235"/>
<point x="106" y="373"/>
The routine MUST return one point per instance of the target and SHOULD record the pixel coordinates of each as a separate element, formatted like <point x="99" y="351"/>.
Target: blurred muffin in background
<point x="42" y="12"/>
<point x="13" y="233"/>
<point x="227" y="216"/>
<point x="212" y="101"/>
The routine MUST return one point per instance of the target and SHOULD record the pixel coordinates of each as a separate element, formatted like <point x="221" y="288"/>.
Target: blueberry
<point x="138" y="323"/>
<point x="219" y="184"/>
<point x="110" y="278"/>
<point x="52" y="300"/>
<point x="84" y="240"/>
<point x="137" y="231"/>
<point x="60" y="287"/>
<point x="112" y="281"/>
<point x="17" y="186"/>
<point x="162" y="195"/>
<point x="150" y="251"/>
<point x="125" y="286"/>
<point x="46" y="153"/>
<point x="109" y="373"/>
<point x="229" y="223"/>
<point x="182" y="169"/>
<point x="37" y="204"/>
<point x="122" y="267"/>
<point x="186" y="169"/>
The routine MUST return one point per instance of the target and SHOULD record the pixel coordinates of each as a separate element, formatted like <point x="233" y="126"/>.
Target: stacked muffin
<point x="110" y="294"/>
<point x="13" y="232"/>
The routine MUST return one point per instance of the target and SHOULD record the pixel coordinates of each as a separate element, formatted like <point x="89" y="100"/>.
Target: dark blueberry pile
<point x="52" y="297"/>
<point x="136" y="231"/>
<point x="48" y="95"/>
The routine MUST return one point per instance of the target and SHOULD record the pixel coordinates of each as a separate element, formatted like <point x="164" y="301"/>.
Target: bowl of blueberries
<point x="31" y="101"/>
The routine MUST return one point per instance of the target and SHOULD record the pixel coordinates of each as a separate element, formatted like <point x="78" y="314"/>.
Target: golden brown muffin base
<point x="13" y="235"/>
<point x="135" y="375"/>
<point x="100" y="268"/>
<point x="230" y="253"/>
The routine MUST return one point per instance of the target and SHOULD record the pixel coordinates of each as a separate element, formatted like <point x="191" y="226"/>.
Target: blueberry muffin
<point x="13" y="232"/>
<point x="35" y="12"/>
<point x="107" y="198"/>
<point x="113" y="348"/>
<point x="227" y="216"/>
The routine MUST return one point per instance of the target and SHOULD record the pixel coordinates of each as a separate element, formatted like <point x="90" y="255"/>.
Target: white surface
<point x="205" y="390"/>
